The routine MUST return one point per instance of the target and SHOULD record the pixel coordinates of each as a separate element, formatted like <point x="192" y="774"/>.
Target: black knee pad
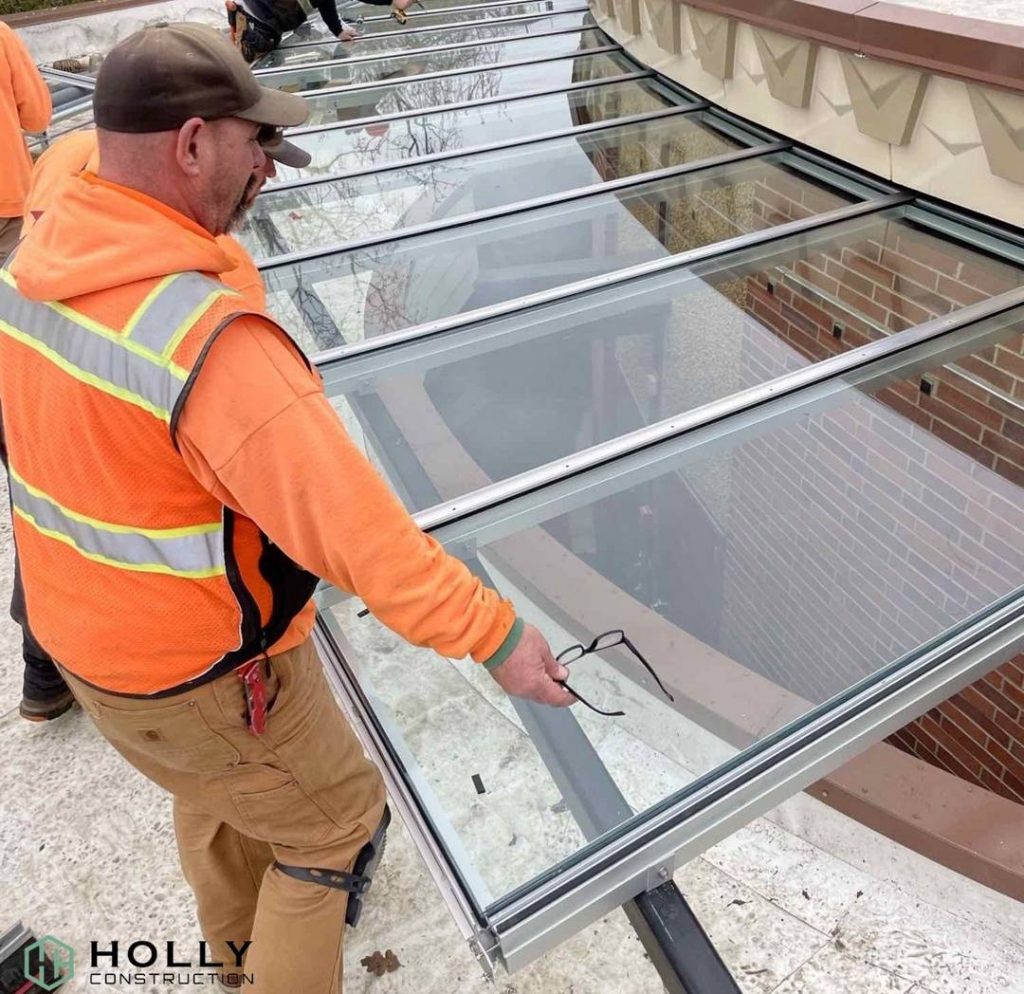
<point x="357" y="883"/>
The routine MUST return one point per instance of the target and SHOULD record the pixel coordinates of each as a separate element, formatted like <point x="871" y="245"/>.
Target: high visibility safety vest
<point x="137" y="579"/>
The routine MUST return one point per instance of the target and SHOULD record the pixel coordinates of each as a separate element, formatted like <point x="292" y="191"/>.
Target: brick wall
<point x="905" y="490"/>
<point x="897" y="515"/>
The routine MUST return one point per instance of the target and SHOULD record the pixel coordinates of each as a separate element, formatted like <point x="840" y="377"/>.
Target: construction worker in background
<point x="179" y="481"/>
<point x="24" y="106"/>
<point x="257" y="26"/>
<point x="45" y="695"/>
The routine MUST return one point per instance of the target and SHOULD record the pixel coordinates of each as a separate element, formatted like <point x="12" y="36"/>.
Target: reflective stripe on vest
<point x="135" y="365"/>
<point x="195" y="553"/>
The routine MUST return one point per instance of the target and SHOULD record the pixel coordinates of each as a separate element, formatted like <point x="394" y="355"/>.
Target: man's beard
<point x="245" y="202"/>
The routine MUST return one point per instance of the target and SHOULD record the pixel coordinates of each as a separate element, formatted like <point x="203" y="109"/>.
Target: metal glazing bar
<point x="466" y="104"/>
<point x="679" y="261"/>
<point x="356" y="60"/>
<point x="74" y="78"/>
<point x="445" y="73"/>
<point x="452" y="26"/>
<point x="985" y="236"/>
<point x="715" y="412"/>
<point x="458" y="153"/>
<point x="522" y="206"/>
<point x="717" y="804"/>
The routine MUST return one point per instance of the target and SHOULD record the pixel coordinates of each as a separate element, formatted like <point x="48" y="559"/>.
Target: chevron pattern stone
<point x="714" y="40"/>
<point x="627" y="13"/>
<point x="788" y="65"/>
<point x="665" y="18"/>
<point x="886" y="98"/>
<point x="1000" y="117"/>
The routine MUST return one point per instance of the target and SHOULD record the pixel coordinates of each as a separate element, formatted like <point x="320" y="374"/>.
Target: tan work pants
<point x="302" y="793"/>
<point x="10" y="232"/>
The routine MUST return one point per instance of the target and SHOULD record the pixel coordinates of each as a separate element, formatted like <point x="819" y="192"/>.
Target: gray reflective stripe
<point x="193" y="555"/>
<point x="92" y="354"/>
<point x="168" y="315"/>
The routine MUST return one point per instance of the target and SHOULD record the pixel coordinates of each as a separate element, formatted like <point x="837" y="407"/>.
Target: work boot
<point x="48" y="708"/>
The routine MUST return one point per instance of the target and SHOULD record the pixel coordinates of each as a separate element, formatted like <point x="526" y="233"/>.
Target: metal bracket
<point x="659" y="875"/>
<point x="485" y="949"/>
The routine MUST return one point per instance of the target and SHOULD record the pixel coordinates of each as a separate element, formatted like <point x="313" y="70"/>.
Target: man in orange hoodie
<point x="24" y="106"/>
<point x="179" y="481"/>
<point x="45" y="695"/>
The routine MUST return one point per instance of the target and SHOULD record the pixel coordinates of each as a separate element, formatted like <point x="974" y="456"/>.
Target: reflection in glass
<point x="377" y="143"/>
<point x="308" y="80"/>
<point x="421" y="94"/>
<point x="522" y="391"/>
<point x="397" y="42"/>
<point x="330" y="213"/>
<point x="316" y="30"/>
<point x="761" y="575"/>
<point x="398" y="284"/>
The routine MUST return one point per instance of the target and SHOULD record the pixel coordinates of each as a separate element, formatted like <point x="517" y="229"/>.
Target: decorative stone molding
<point x="788" y="64"/>
<point x="714" y="40"/>
<point x="627" y="13"/>
<point x="886" y="98"/>
<point x="666" y="17"/>
<point x="1000" y="117"/>
<point x="936" y="103"/>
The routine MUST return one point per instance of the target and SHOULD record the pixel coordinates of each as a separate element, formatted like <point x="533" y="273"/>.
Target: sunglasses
<point x="603" y="642"/>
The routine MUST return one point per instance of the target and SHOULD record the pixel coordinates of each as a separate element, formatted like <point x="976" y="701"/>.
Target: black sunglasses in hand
<point x="601" y="643"/>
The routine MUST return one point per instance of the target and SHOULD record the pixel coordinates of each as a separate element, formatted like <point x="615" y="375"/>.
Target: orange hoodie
<point x="79" y="151"/>
<point x="24" y="106"/>
<point x="258" y="433"/>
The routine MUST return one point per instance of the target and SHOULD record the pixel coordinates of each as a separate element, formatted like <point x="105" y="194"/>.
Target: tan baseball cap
<point x="159" y="77"/>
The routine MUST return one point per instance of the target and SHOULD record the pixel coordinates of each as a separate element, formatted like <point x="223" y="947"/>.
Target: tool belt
<point x="253" y="38"/>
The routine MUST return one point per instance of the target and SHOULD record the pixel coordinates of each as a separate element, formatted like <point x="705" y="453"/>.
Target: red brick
<point x="901" y="265"/>
<point x="966" y="768"/>
<point x="1009" y="471"/>
<point x="871" y="270"/>
<point x="974" y="408"/>
<point x="847" y="277"/>
<point x="1005" y="759"/>
<point x="963" y="444"/>
<point x="1010" y="362"/>
<point x="991" y="278"/>
<point x="957" y="291"/>
<point x="1015" y="783"/>
<point x="1013" y="693"/>
<point x="862" y="303"/>
<point x="926" y="252"/>
<point x="908" y="409"/>
<point x="1002" y="446"/>
<point x="1012" y="727"/>
<point x="981" y="703"/>
<point x="996" y="699"/>
<point x="955" y="418"/>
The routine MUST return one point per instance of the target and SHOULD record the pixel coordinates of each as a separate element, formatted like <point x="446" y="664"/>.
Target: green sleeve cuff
<point x="515" y="633"/>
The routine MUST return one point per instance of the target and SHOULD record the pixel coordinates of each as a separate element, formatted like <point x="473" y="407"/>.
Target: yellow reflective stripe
<point x="98" y="328"/>
<point x="182" y="330"/>
<point x="84" y="376"/>
<point x="203" y="574"/>
<point x="144" y="306"/>
<point x="157" y="533"/>
<point x="89" y="324"/>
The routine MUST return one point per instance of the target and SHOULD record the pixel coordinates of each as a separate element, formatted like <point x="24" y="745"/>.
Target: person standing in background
<point x="24" y="106"/>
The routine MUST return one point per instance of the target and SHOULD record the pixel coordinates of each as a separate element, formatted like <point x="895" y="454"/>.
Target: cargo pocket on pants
<point x="175" y="736"/>
<point x="283" y="815"/>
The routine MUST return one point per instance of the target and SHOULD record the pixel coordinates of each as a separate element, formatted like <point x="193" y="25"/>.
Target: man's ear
<point x="190" y="134"/>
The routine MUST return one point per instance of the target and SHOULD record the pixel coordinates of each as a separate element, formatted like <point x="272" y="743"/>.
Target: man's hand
<point x="348" y="33"/>
<point x="531" y="672"/>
